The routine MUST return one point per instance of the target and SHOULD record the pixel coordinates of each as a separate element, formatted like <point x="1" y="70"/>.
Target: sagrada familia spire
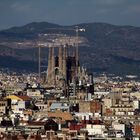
<point x="62" y="68"/>
<point x="64" y="71"/>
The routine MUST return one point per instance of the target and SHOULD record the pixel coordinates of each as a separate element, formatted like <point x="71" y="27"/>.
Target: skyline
<point x="117" y="12"/>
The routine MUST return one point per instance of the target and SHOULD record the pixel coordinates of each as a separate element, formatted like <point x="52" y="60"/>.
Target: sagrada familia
<point x="64" y="67"/>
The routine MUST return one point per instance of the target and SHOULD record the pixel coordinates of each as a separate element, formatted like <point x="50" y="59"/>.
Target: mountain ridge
<point x="112" y="48"/>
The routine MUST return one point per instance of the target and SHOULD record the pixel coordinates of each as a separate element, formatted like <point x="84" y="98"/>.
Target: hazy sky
<point x="67" y="12"/>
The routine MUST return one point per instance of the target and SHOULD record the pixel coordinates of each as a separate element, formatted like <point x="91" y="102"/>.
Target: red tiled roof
<point x="36" y="123"/>
<point x="24" y="97"/>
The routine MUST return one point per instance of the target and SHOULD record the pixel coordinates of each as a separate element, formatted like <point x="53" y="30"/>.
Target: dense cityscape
<point x="68" y="103"/>
<point x="69" y="70"/>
